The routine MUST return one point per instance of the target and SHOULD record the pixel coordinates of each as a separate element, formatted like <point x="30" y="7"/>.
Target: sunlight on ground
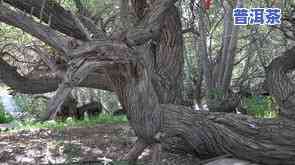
<point x="48" y="146"/>
<point x="4" y="90"/>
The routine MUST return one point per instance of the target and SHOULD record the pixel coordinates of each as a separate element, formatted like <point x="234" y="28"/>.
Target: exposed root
<point x="135" y="152"/>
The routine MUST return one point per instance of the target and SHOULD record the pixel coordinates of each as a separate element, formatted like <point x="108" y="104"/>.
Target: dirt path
<point x="44" y="146"/>
<point x="85" y="145"/>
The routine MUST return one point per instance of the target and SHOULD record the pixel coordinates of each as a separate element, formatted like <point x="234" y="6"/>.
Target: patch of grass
<point x="4" y="117"/>
<point x="114" y="162"/>
<point x="261" y="106"/>
<point x="108" y="119"/>
<point x="52" y="124"/>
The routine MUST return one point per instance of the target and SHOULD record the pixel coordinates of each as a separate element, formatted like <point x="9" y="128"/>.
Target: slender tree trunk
<point x="197" y="95"/>
<point x="218" y="77"/>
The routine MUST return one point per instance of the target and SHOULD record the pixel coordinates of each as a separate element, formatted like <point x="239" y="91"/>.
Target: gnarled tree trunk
<point x="209" y="134"/>
<point x="126" y="65"/>
<point x="166" y="53"/>
<point x="280" y="85"/>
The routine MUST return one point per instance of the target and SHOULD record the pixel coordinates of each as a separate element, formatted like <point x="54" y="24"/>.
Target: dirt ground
<point x="101" y="143"/>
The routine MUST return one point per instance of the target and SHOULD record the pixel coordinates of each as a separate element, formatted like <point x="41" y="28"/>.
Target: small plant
<point x="4" y="117"/>
<point x="70" y="122"/>
<point x="216" y="93"/>
<point x="261" y="106"/>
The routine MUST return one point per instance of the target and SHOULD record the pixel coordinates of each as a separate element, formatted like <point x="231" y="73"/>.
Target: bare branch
<point x="10" y="76"/>
<point x="191" y="30"/>
<point x="42" y="32"/>
<point x="21" y="84"/>
<point x="81" y="27"/>
<point x="74" y="78"/>
<point x="124" y="14"/>
<point x="61" y="20"/>
<point x="42" y="10"/>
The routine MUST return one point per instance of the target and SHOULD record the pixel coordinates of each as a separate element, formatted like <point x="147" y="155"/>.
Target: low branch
<point x="191" y="30"/>
<point x="56" y="101"/>
<point x="21" y="84"/>
<point x="74" y="78"/>
<point x="42" y="32"/>
<point x="266" y="141"/>
<point x="10" y="76"/>
<point x="61" y="20"/>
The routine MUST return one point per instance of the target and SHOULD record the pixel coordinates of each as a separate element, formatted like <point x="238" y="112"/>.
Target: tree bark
<point x="167" y="58"/>
<point x="169" y="61"/>
<point x="68" y="109"/>
<point x="61" y="20"/>
<point x="279" y="84"/>
<point x="218" y="74"/>
<point x="127" y="65"/>
<point x="210" y="134"/>
<point x="22" y="84"/>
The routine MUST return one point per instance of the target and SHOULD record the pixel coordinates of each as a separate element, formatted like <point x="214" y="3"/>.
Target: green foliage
<point x="262" y="107"/>
<point x="22" y="103"/>
<point x="124" y="162"/>
<point x="34" y="107"/>
<point x="70" y="122"/>
<point x="4" y="117"/>
<point x="215" y="93"/>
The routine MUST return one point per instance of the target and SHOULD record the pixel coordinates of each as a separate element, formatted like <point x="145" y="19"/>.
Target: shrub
<point x="34" y="107"/>
<point x="70" y="122"/>
<point x="4" y="117"/>
<point x="261" y="106"/>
